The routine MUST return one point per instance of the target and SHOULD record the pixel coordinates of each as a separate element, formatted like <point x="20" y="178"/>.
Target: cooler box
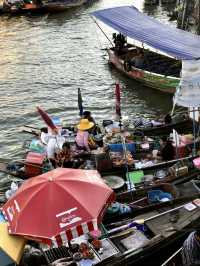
<point x="33" y="164"/>
<point x="119" y="147"/>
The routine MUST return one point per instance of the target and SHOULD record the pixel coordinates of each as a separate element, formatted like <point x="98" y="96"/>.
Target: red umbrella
<point x="47" y="119"/>
<point x="118" y="99"/>
<point x="58" y="206"/>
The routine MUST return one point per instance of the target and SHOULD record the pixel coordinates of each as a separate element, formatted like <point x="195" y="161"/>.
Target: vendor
<point x="64" y="158"/>
<point x="167" y="150"/>
<point x="83" y="139"/>
<point x="95" y="129"/>
<point x="54" y="146"/>
<point x="87" y="115"/>
<point x="138" y="59"/>
<point x="44" y="135"/>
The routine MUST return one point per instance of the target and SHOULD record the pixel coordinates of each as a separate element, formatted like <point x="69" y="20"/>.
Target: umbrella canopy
<point x="118" y="100"/>
<point x="58" y="206"/>
<point x="47" y="119"/>
<point x="80" y="102"/>
<point x="11" y="247"/>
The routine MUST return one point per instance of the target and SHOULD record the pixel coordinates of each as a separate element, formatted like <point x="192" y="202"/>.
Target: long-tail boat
<point x="141" y="200"/>
<point x="164" y="227"/>
<point x="183" y="125"/>
<point x="145" y="239"/>
<point x="159" y="71"/>
<point x="39" y="6"/>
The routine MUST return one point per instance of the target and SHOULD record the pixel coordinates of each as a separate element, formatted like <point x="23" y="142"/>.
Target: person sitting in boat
<point x="138" y="59"/>
<point x="95" y="130"/>
<point x="64" y="157"/>
<point x="87" y="115"/>
<point x="83" y="139"/>
<point x="44" y="135"/>
<point x="120" y="43"/>
<point x="54" y="146"/>
<point x="167" y="152"/>
<point x="191" y="249"/>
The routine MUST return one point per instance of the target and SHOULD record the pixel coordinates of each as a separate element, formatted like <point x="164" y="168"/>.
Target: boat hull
<point x="159" y="82"/>
<point x="181" y="127"/>
<point x="65" y="5"/>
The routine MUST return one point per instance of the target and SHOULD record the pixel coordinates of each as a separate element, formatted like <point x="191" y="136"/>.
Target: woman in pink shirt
<point x="82" y="138"/>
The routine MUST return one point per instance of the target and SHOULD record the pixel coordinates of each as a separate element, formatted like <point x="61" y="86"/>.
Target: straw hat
<point x="85" y="124"/>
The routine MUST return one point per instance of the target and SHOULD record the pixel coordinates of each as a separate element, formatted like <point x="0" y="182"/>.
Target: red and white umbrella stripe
<point x="75" y="232"/>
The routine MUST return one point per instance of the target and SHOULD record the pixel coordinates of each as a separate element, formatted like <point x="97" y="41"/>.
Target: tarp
<point x="132" y="23"/>
<point x="188" y="91"/>
<point x="11" y="247"/>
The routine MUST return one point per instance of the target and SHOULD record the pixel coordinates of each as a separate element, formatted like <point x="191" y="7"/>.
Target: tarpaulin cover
<point x="132" y="23"/>
<point x="188" y="91"/>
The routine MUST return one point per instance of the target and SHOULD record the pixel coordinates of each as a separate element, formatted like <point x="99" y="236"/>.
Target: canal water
<point x="44" y="59"/>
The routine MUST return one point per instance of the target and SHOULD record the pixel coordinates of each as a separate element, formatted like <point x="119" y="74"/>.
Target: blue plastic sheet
<point x="134" y="24"/>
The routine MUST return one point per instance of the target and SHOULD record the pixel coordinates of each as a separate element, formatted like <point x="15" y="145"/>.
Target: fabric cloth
<point x="191" y="251"/>
<point x="187" y="93"/>
<point x="44" y="137"/>
<point x="54" y="145"/>
<point x="142" y="122"/>
<point x="82" y="139"/>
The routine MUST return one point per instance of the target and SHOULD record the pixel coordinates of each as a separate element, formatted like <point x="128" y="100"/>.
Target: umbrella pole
<point x="131" y="185"/>
<point x="194" y="133"/>
<point x="176" y="142"/>
<point x="69" y="244"/>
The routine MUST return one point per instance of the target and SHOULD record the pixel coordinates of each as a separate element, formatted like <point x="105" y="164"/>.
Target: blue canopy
<point x="134" y="24"/>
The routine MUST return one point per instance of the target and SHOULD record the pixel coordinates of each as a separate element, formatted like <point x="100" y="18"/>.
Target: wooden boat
<point x="13" y="168"/>
<point x="22" y="8"/>
<point x="181" y="127"/>
<point x="53" y="6"/>
<point x="175" y="259"/>
<point x="164" y="227"/>
<point x="162" y="173"/>
<point x="141" y="200"/>
<point x="178" y="187"/>
<point x="158" y="71"/>
<point x="146" y="238"/>
<point x="41" y="7"/>
<point x="108" y="169"/>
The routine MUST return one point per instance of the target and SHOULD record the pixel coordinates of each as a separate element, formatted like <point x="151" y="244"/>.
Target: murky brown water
<point x="44" y="59"/>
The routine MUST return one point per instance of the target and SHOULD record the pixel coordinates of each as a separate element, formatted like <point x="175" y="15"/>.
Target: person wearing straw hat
<point x="83" y="139"/>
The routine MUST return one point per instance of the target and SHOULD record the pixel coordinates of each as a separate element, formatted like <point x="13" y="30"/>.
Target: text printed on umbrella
<point x="11" y="210"/>
<point x="67" y="218"/>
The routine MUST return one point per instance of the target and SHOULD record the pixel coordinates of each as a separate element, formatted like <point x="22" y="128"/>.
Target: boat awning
<point x="132" y="23"/>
